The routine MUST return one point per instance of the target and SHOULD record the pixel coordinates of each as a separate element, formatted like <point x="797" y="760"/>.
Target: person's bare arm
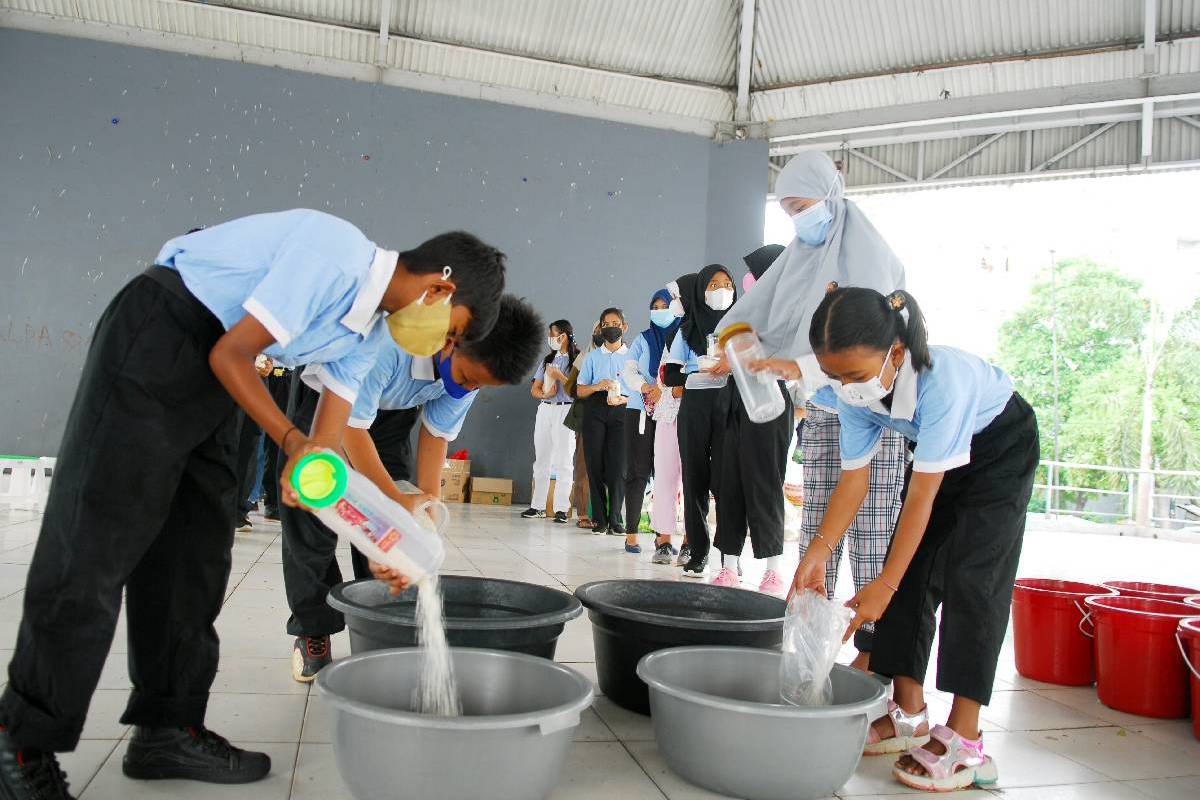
<point x="232" y="361"/>
<point x="535" y="390"/>
<point x="844" y="503"/>
<point x="431" y="457"/>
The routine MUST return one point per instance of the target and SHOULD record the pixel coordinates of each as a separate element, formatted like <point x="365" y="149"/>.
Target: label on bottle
<point x="377" y="530"/>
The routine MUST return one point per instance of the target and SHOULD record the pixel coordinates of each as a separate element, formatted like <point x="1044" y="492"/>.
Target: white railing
<point x="1173" y="508"/>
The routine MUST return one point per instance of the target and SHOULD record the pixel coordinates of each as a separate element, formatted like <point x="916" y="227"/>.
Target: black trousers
<point x="604" y="452"/>
<point x="752" y="473"/>
<point x="310" y="567"/>
<point x="701" y="429"/>
<point x="639" y="466"/>
<point x="249" y="435"/>
<point x="966" y="563"/>
<point x="280" y="387"/>
<point x="142" y="501"/>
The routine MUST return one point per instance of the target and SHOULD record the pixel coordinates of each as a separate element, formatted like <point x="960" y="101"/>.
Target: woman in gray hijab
<point x="834" y="243"/>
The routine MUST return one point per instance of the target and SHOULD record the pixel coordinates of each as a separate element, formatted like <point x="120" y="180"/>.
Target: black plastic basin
<point x="632" y="618"/>
<point x="480" y="612"/>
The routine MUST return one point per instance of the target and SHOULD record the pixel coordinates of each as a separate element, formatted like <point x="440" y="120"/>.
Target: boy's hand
<point x="297" y="447"/>
<point x="396" y="582"/>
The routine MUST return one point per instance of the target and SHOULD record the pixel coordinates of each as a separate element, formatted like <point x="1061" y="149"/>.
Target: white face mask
<point x="867" y="392"/>
<point x="719" y="299"/>
<point x="555" y="342"/>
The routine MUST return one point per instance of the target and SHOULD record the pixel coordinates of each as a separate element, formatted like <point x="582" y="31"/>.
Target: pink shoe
<point x="771" y="584"/>
<point x="726" y="577"/>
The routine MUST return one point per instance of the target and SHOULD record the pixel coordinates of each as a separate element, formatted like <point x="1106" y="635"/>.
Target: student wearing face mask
<point x="703" y="298"/>
<point x="642" y="369"/>
<point x="400" y="390"/>
<point x="604" y="423"/>
<point x="553" y="441"/>
<point x="834" y="242"/>
<point x="958" y="541"/>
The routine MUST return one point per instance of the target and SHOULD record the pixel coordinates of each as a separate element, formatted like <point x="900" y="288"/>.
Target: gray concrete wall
<point x="107" y="151"/>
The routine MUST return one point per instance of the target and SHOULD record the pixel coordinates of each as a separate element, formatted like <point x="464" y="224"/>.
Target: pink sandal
<point x="963" y="764"/>
<point x="908" y="734"/>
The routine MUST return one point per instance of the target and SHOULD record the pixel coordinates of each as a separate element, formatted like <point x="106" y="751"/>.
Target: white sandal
<point x="963" y="764"/>
<point x="906" y="736"/>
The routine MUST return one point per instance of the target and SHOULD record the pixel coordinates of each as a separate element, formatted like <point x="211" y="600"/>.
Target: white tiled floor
<point x="1051" y="743"/>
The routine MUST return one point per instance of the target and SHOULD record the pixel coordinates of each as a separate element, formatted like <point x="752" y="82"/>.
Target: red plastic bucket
<point x="1138" y="668"/>
<point x="1050" y="642"/>
<point x="1152" y="591"/>
<point x="1194" y="600"/>
<point x="1188" y="636"/>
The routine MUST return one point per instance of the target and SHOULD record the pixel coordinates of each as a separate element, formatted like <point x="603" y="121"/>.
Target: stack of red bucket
<point x="1138" y="642"/>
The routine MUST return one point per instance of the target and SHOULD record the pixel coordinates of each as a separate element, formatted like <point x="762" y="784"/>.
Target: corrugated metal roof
<point x="686" y="40"/>
<point x="801" y="41"/>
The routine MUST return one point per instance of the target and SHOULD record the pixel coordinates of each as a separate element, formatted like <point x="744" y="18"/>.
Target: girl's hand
<point x="620" y="401"/>
<point x="652" y="394"/>
<point x="869" y="605"/>
<point x="396" y="582"/>
<point x="677" y="392"/>
<point x="809" y="575"/>
<point x="785" y="369"/>
<point x="555" y="374"/>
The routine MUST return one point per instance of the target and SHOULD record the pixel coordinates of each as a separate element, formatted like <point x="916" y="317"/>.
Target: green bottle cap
<point x="319" y="479"/>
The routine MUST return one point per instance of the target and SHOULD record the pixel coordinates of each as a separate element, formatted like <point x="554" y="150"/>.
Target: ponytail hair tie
<point x="898" y="304"/>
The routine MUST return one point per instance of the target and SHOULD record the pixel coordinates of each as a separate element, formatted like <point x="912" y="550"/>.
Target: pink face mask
<point x="747" y="281"/>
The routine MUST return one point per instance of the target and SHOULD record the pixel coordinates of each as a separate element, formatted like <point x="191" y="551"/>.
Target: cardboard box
<point x="491" y="491"/>
<point x="455" y="474"/>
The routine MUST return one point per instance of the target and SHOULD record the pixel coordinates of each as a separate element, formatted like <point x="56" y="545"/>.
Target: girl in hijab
<point x="645" y="354"/>
<point x="604" y="422"/>
<point x="704" y="297"/>
<point x="668" y="470"/>
<point x="835" y="243"/>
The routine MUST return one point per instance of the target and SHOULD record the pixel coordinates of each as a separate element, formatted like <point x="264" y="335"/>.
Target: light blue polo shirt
<point x="401" y="380"/>
<point x="940" y="408"/>
<point x="563" y="362"/>
<point x="313" y="280"/>
<point x="639" y="351"/>
<point x="601" y="365"/>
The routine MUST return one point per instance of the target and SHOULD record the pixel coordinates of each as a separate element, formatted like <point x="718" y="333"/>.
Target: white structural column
<point x="741" y="109"/>
<point x="385" y="22"/>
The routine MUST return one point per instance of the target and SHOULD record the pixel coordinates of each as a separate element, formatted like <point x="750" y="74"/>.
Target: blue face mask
<point x="812" y="224"/>
<point x="662" y="317"/>
<point x="453" y="388"/>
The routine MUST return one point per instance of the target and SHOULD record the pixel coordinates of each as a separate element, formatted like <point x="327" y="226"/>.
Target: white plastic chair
<point x="18" y="482"/>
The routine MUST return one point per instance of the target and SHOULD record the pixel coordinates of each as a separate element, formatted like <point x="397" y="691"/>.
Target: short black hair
<point x="476" y="268"/>
<point x="511" y="350"/>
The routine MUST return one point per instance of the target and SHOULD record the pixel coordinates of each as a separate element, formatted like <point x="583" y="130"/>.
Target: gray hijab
<point x="780" y="305"/>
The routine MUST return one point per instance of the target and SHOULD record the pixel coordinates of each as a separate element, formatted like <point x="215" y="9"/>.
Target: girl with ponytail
<point x="958" y="539"/>
<point x="553" y="442"/>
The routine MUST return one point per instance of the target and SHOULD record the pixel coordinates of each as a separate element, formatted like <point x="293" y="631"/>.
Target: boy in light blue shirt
<point x="443" y="387"/>
<point x="143" y="499"/>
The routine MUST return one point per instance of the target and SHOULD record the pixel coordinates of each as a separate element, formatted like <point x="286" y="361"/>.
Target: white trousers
<point x="554" y="450"/>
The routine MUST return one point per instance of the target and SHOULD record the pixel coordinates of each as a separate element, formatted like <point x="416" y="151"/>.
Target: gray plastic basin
<point x="480" y="612"/>
<point x="720" y="724"/>
<point x="519" y="716"/>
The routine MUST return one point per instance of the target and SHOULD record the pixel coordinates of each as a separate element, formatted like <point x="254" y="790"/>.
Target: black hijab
<point x="699" y="320"/>
<point x="758" y="261"/>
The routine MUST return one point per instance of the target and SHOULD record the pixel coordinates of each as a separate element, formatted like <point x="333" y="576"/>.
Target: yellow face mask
<point x="421" y="329"/>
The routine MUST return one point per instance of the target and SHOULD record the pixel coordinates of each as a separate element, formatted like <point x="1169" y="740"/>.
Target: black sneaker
<point x="194" y="754"/>
<point x="309" y="655"/>
<point x="685" y="555"/>
<point x="696" y="569"/>
<point x="663" y="554"/>
<point x="244" y="524"/>
<point x="533" y="513"/>
<point x="600" y="528"/>
<point x="560" y="517"/>
<point x="616" y="530"/>
<point x="30" y="775"/>
<point x="271" y="515"/>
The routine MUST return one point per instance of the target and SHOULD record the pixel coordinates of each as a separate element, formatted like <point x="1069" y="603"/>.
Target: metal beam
<point x="1024" y="177"/>
<point x="1149" y="35"/>
<point x="1188" y="120"/>
<point x="385" y="24"/>
<point x="1066" y="151"/>
<point x="967" y="156"/>
<point x="1011" y="124"/>
<point x="741" y="109"/>
<point x="1147" y="131"/>
<point x="920" y="161"/>
<point x="1052" y="100"/>
<point x="874" y="162"/>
